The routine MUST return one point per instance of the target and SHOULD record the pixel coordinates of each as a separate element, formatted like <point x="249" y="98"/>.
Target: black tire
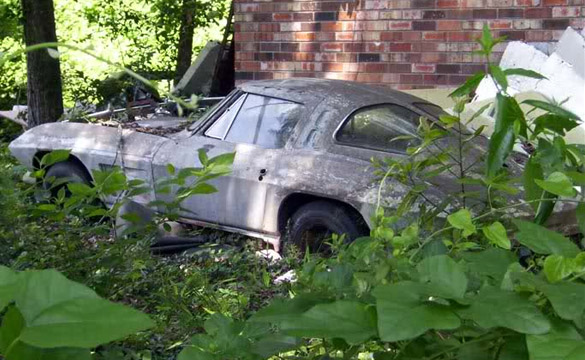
<point x="64" y="171"/>
<point x="315" y="222"/>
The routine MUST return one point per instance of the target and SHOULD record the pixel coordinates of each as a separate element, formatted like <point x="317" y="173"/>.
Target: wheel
<point x="315" y="222"/>
<point x="63" y="173"/>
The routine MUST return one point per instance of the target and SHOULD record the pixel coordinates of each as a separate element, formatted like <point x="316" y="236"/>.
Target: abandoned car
<point x="303" y="149"/>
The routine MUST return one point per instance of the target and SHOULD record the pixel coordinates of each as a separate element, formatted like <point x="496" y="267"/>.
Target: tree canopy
<point x="139" y="34"/>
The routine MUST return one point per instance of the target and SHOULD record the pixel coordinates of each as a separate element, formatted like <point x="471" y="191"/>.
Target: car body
<point x="290" y="144"/>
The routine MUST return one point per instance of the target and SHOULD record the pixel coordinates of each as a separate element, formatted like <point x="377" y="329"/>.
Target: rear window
<point x="382" y="127"/>
<point x="432" y="109"/>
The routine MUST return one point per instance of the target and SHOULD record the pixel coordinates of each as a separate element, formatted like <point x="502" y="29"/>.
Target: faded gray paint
<point x="311" y="162"/>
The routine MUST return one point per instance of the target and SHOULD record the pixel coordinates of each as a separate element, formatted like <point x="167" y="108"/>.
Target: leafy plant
<point x="51" y="317"/>
<point x="477" y="276"/>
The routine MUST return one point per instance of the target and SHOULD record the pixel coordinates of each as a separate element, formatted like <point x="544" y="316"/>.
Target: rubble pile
<point x="563" y="64"/>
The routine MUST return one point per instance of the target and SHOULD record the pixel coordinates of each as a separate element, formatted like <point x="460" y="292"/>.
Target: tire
<point x="315" y="222"/>
<point x="65" y="170"/>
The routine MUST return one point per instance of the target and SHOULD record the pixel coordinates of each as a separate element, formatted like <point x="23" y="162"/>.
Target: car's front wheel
<point x="60" y="174"/>
<point x="313" y="224"/>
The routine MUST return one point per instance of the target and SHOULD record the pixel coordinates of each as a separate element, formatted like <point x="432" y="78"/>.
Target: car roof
<point x="309" y="90"/>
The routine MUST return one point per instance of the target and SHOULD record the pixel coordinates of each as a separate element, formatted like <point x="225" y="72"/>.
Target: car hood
<point x="84" y="138"/>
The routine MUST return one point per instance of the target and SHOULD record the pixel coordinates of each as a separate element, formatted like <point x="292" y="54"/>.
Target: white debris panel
<point x="564" y="70"/>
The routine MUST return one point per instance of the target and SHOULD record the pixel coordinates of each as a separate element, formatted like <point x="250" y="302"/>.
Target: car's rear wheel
<point x="62" y="173"/>
<point x="313" y="224"/>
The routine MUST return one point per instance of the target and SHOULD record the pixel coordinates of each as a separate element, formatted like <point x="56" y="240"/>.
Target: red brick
<point x="435" y="79"/>
<point x="400" y="47"/>
<point x="399" y="68"/>
<point x="448" y="25"/>
<point x="376" y="67"/>
<point x="500" y="24"/>
<point x="332" y="47"/>
<point x="423" y="68"/>
<point x="434" y="36"/>
<point x="411" y="35"/>
<point x="447" y="3"/>
<point x="538" y="13"/>
<point x="282" y="17"/>
<point x="400" y="25"/>
<point x="411" y="79"/>
<point x="554" y="2"/>
<point x="433" y="57"/>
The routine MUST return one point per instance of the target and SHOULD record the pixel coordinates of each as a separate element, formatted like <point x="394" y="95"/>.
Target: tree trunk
<point x="185" y="39"/>
<point x="44" y="89"/>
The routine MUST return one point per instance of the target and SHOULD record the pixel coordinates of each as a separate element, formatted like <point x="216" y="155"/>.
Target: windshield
<point x="212" y="110"/>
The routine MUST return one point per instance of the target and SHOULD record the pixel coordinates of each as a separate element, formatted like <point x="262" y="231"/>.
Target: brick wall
<point x="400" y="43"/>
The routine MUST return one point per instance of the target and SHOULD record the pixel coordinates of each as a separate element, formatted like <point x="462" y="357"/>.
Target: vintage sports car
<point x="303" y="149"/>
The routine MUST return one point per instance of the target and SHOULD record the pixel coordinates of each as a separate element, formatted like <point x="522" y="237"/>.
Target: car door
<point x="259" y="132"/>
<point x="183" y="153"/>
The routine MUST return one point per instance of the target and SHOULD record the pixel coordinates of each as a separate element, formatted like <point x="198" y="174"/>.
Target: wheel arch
<point x="72" y="159"/>
<point x="296" y="200"/>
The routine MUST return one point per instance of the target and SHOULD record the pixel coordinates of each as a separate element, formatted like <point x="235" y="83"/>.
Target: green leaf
<point x="577" y="177"/>
<point x="284" y="310"/>
<point x="475" y="351"/>
<point x="545" y="207"/>
<point x="552" y="108"/>
<point x="486" y="40"/>
<point x="80" y="189"/>
<point x="497" y="308"/>
<point x="83" y="323"/>
<point x="404" y="312"/>
<point x="532" y="171"/>
<point x="559" y="184"/>
<point x="14" y="349"/>
<point x="566" y="298"/>
<point x="45" y="289"/>
<point x="502" y="141"/>
<point x="349" y="320"/>
<point x="524" y="72"/>
<point x="557" y="267"/>
<point x="275" y="344"/>
<point x="62" y="313"/>
<point x="514" y="348"/>
<point x="449" y="120"/>
<point x="556" y="123"/>
<point x="499" y="76"/>
<point x="203" y="159"/>
<point x="8" y="286"/>
<point x="54" y="157"/>
<point x="562" y="343"/>
<point x="491" y="263"/>
<point x="171" y="169"/>
<point x="469" y="86"/>
<point x="580" y="212"/>
<point x="12" y="324"/>
<point x="223" y="160"/>
<point x="544" y="241"/>
<point x="444" y="276"/>
<point x="199" y="189"/>
<point x="462" y="220"/>
<point x="497" y="235"/>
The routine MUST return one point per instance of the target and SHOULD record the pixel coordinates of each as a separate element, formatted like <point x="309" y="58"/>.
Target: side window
<point x="220" y="127"/>
<point x="379" y="127"/>
<point x="264" y="121"/>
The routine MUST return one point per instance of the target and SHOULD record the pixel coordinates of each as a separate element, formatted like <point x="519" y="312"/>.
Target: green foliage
<point x="142" y="35"/>
<point x="451" y="283"/>
<point x="55" y="318"/>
